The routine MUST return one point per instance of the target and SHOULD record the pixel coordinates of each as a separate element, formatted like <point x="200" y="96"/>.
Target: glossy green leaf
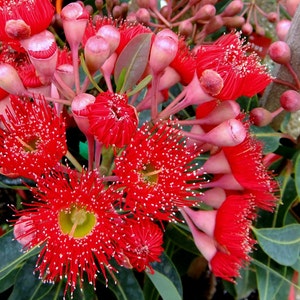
<point x="166" y="279"/>
<point x="8" y="281"/>
<point x="281" y="244"/>
<point x="297" y="174"/>
<point x="142" y="84"/>
<point x="11" y="255"/>
<point x="268" y="137"/>
<point x="133" y="59"/>
<point x="127" y="287"/>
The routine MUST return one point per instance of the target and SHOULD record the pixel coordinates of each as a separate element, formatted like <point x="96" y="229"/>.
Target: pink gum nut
<point x="111" y="36"/>
<point x="280" y="52"/>
<point x="216" y="164"/>
<point x="10" y="80"/>
<point x="96" y="52"/>
<point x="163" y="50"/>
<point x="74" y="19"/>
<point x="211" y="82"/>
<point x="213" y="197"/>
<point x="65" y="72"/>
<point x="79" y="109"/>
<point x="43" y="53"/>
<point x="290" y="101"/>
<point x="282" y="29"/>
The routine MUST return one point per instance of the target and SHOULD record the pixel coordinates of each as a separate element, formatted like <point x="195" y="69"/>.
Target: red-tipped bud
<point x="205" y="13"/>
<point x="234" y="22"/>
<point x="247" y="28"/>
<point x="79" y="109"/>
<point x="10" y="80"/>
<point x="260" y="117"/>
<point x="282" y="29"/>
<point x="186" y="28"/>
<point x="211" y="82"/>
<point x="163" y="51"/>
<point x="233" y="8"/>
<point x="96" y="52"/>
<point x="227" y="134"/>
<point x="280" y="52"/>
<point x="143" y="16"/>
<point x="43" y="53"/>
<point x="272" y="17"/>
<point x="74" y="18"/>
<point x="17" y="29"/>
<point x="111" y="36"/>
<point x="290" y="101"/>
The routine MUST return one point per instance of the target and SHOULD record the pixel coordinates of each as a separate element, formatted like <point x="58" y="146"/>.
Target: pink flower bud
<point x="291" y="6"/>
<point x="229" y="133"/>
<point x="216" y="164"/>
<point x="96" y="52"/>
<point x="74" y="18"/>
<point x="79" y="109"/>
<point x="17" y="29"/>
<point x="234" y="22"/>
<point x="163" y="51"/>
<point x="280" y="52"/>
<point x="10" y="80"/>
<point x="290" y="100"/>
<point x="66" y="73"/>
<point x="43" y="53"/>
<point x="111" y="36"/>
<point x="205" y="13"/>
<point x="143" y="16"/>
<point x="233" y="8"/>
<point x="272" y="17"/>
<point x="213" y="197"/>
<point x="21" y="231"/>
<point x="282" y="29"/>
<point x="247" y="28"/>
<point x="186" y="28"/>
<point x="260" y="116"/>
<point x="211" y="82"/>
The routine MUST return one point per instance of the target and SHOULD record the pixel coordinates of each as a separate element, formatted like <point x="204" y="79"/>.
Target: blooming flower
<point x="142" y="243"/>
<point x="33" y="138"/>
<point x="74" y="220"/>
<point x="112" y="120"/>
<point x="155" y="172"/>
<point x="22" y="18"/>
<point x="243" y="75"/>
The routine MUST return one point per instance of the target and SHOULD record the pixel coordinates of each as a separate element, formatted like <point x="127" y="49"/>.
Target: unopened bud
<point x="290" y="101"/>
<point x="205" y="13"/>
<point x="259" y="116"/>
<point x="163" y="50"/>
<point x="282" y="29"/>
<point x="234" y="22"/>
<point x="143" y="3"/>
<point x="23" y="231"/>
<point x="247" y="28"/>
<point x="10" y="80"/>
<point x="260" y="30"/>
<point x="211" y="82"/>
<point x="185" y="28"/>
<point x="111" y="36"/>
<point x="280" y="52"/>
<point x="291" y="6"/>
<point x="117" y="12"/>
<point x="99" y="4"/>
<point x="96" y="52"/>
<point x="17" y="29"/>
<point x="233" y="8"/>
<point x="214" y="24"/>
<point x="143" y="16"/>
<point x="272" y="17"/>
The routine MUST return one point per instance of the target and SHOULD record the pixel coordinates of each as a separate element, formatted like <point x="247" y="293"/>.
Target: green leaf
<point x="8" y="280"/>
<point x="281" y="244"/>
<point x="83" y="149"/>
<point x="143" y="83"/>
<point x="133" y="59"/>
<point x="268" y="137"/>
<point x="166" y="279"/>
<point x="297" y="174"/>
<point x="11" y="255"/>
<point x="127" y="287"/>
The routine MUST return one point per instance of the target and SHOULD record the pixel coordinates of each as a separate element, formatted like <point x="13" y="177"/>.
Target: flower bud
<point x="205" y="13"/>
<point x="96" y="52"/>
<point x="74" y="18"/>
<point x="282" y="29"/>
<point x="291" y="6"/>
<point x="233" y="8"/>
<point x="247" y="28"/>
<point x="211" y="82"/>
<point x="290" y="101"/>
<point x="163" y="51"/>
<point x="280" y="52"/>
<point x="259" y="116"/>
<point x="10" y="80"/>
<point x="17" y="29"/>
<point x="234" y="22"/>
<point x="66" y="73"/>
<point x="272" y="17"/>
<point x="185" y="28"/>
<point x="111" y="36"/>
<point x="260" y="30"/>
<point x="21" y="229"/>
<point x="143" y="16"/>
<point x="99" y="4"/>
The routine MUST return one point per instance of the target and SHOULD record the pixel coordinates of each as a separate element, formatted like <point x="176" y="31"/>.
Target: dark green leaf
<point x="281" y="244"/>
<point x="133" y="59"/>
<point x="143" y="83"/>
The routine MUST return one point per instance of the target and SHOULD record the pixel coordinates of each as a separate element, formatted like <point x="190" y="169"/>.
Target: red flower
<point x="142" y="243"/>
<point x="112" y="120"/>
<point x="242" y="74"/>
<point x="31" y="17"/>
<point x="253" y="175"/>
<point x="33" y="139"/>
<point x="155" y="172"/>
<point x="73" y="218"/>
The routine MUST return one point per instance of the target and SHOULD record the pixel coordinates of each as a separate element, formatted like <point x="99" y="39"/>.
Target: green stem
<point x="74" y="161"/>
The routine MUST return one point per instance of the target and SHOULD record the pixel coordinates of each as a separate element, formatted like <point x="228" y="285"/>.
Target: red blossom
<point x="156" y="173"/>
<point x="242" y="74"/>
<point x="253" y="175"/>
<point x="33" y="139"/>
<point x="142" y="243"/>
<point x="112" y="120"/>
<point x="73" y="218"/>
<point x="232" y="234"/>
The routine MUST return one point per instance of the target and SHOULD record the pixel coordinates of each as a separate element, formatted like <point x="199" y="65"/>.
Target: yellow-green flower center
<point x="150" y="174"/>
<point x="77" y="222"/>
